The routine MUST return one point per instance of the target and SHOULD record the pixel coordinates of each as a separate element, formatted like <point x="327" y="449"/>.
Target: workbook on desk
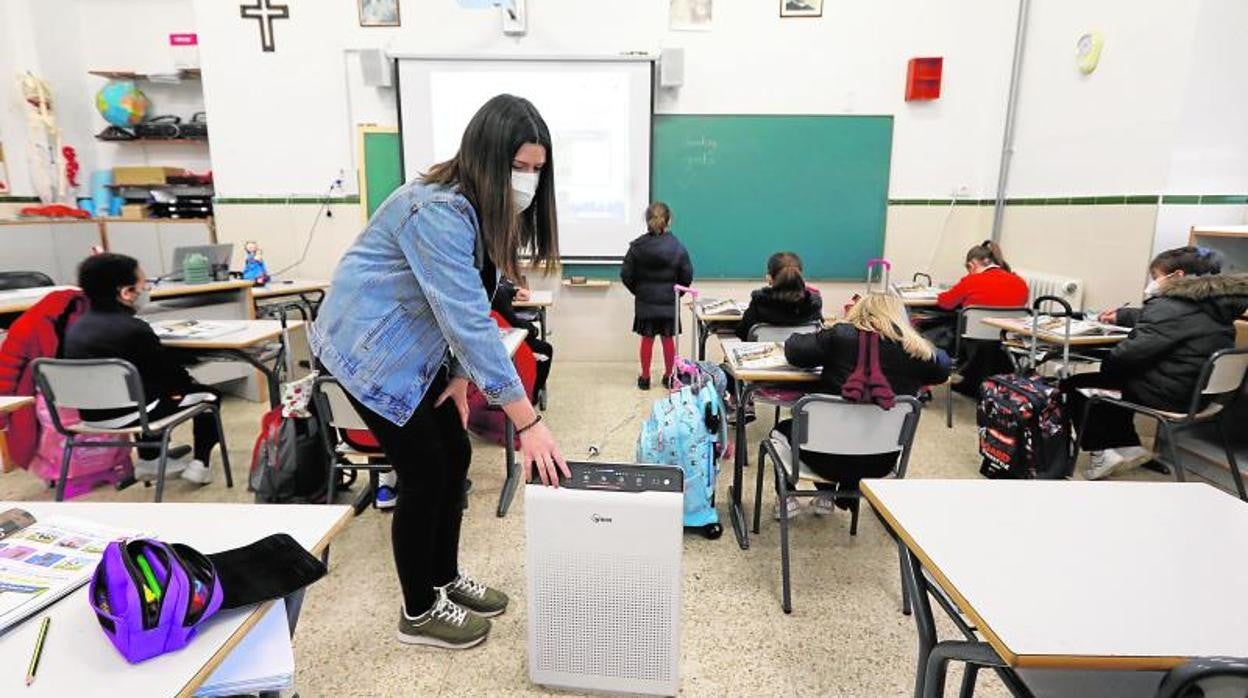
<point x="41" y="562"/>
<point x="722" y="307"/>
<point x="916" y="292"/>
<point x="1057" y="325"/>
<point x="758" y="356"/>
<point x="193" y="329"/>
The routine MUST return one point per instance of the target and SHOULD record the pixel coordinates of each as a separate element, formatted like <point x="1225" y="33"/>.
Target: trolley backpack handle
<point x="1067" y="312"/>
<point x="693" y="294"/>
<point x="885" y="268"/>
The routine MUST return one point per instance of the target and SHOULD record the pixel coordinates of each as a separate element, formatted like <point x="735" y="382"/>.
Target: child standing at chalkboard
<point x="656" y="262"/>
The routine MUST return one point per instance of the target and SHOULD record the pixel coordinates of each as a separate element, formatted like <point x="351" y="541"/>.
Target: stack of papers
<point x="1057" y="325"/>
<point x="722" y="307"/>
<point x="758" y="355"/>
<point x="263" y="661"/>
<point x="916" y="292"/>
<point x="194" y="329"/>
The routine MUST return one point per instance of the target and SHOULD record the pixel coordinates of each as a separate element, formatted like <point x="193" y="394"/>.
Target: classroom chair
<point x="1191" y="678"/>
<point x="338" y="419"/>
<point x="13" y="280"/>
<point x="969" y="328"/>
<point x="107" y="384"/>
<point x="828" y="424"/>
<point x="1221" y="381"/>
<point x="765" y="332"/>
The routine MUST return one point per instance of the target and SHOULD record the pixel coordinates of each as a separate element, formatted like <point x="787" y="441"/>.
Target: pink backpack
<point x="88" y="466"/>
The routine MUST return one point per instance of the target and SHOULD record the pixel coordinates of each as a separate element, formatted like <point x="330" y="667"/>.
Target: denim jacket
<point x="408" y="289"/>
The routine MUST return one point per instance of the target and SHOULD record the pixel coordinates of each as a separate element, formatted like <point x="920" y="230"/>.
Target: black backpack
<point x="289" y="462"/>
<point x="1023" y="432"/>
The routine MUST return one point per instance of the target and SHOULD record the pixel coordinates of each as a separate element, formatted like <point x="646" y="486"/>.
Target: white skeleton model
<point x="47" y="171"/>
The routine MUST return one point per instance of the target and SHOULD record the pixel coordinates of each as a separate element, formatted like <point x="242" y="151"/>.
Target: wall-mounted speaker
<point x="672" y="67"/>
<point x="377" y="69"/>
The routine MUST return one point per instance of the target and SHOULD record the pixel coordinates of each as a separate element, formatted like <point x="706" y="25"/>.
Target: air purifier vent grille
<point x="608" y="616"/>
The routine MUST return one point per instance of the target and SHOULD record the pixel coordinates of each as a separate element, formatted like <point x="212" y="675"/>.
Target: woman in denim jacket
<point x="408" y="325"/>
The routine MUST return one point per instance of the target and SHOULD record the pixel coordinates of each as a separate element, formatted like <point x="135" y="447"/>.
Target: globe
<point x="122" y="103"/>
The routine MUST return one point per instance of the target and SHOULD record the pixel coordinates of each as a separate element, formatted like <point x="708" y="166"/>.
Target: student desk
<point x="705" y="324"/>
<point x="1022" y="327"/>
<point x="749" y="381"/>
<point x="19" y="300"/>
<point x="1071" y="574"/>
<point x="539" y="301"/>
<point x="512" y="339"/>
<point x="303" y="295"/>
<point x="78" y="660"/>
<point x="241" y="345"/>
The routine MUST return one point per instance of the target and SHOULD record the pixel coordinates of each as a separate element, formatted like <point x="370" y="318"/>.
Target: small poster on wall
<point x="379" y="13"/>
<point x="691" y="15"/>
<point x="801" y="8"/>
<point x="4" y="173"/>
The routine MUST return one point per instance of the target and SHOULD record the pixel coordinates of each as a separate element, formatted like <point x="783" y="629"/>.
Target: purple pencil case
<point x="143" y="624"/>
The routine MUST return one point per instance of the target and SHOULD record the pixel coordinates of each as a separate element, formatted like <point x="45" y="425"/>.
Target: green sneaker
<point x="475" y="596"/>
<point x="445" y="625"/>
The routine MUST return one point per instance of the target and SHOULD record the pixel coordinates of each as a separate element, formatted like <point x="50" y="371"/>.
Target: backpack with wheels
<point x="1023" y="433"/>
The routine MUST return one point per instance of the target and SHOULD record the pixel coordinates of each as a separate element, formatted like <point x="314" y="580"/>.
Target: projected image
<point x="588" y="116"/>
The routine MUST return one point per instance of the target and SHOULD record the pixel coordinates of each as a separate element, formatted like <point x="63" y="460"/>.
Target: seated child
<point x="504" y="296"/>
<point x="1189" y="314"/>
<point x="117" y="289"/>
<point x="785" y="300"/>
<point x="907" y="360"/>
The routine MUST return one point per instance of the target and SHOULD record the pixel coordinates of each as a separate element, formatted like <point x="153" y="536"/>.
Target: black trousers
<point x="1108" y="426"/>
<point x="430" y="456"/>
<point x="203" y="426"/>
<point x="543" y="367"/>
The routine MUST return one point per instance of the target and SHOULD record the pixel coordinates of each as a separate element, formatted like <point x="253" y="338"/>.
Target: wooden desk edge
<point x="188" y="691"/>
<point x="1026" y="661"/>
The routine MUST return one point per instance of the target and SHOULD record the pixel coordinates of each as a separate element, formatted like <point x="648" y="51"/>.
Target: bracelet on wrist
<point x="529" y="426"/>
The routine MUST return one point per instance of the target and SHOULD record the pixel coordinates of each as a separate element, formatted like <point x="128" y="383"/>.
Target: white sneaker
<point x="148" y="469"/>
<point x="824" y="504"/>
<point x="792" y="510"/>
<point x="1102" y="464"/>
<point x="197" y="472"/>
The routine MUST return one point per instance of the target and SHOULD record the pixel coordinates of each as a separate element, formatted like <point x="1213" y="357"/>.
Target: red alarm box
<point x="923" y="78"/>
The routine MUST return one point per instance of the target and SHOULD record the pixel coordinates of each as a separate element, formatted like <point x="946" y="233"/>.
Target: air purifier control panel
<point x="623" y="477"/>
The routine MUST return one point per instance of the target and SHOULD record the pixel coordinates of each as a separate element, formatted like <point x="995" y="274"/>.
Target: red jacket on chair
<point x="36" y="334"/>
<point x="486" y="422"/>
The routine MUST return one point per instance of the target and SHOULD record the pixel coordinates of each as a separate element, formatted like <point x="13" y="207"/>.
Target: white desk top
<point x="18" y="300"/>
<point x="78" y="660"/>
<point x="249" y="334"/>
<point x="537" y="299"/>
<point x="9" y="403"/>
<point x="169" y="289"/>
<point x="288" y="287"/>
<point x="1086" y="575"/>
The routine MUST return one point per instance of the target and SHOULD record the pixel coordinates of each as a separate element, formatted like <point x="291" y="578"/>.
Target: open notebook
<point x="263" y="661"/>
<point x="41" y="562"/>
<point x="194" y="329"/>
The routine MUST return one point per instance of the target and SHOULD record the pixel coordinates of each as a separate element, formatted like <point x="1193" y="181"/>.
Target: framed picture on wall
<point x="801" y="8"/>
<point x="379" y="13"/>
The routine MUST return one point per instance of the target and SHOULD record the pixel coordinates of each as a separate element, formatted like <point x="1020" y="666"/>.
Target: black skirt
<point x="649" y="327"/>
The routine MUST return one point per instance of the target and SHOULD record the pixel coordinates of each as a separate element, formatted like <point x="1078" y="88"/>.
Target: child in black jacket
<point x="1189" y="314"/>
<point x="785" y="300"/>
<point x="656" y="262"/>
<point x="907" y="360"/>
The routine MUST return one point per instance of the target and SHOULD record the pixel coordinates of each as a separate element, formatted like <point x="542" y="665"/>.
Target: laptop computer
<point x="219" y="257"/>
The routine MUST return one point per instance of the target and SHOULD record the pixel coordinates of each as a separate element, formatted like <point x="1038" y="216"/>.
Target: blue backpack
<point x="688" y="429"/>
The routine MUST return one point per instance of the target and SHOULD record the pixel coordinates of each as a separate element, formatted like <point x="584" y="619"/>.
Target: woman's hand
<point x="1109" y="317"/>
<point x="522" y="294"/>
<point x="457" y="391"/>
<point x="538" y="450"/>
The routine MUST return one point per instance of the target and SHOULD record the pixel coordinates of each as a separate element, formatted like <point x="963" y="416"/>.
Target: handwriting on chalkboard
<point x="702" y="151"/>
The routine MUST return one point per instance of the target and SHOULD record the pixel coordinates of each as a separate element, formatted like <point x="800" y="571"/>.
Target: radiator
<point x="1064" y="287"/>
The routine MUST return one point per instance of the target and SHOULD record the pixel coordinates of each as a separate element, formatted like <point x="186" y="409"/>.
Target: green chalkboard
<point x="743" y="187"/>
<point x="381" y="164"/>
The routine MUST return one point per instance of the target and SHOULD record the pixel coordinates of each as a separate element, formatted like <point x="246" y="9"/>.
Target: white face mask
<point x="1154" y="286"/>
<point x="524" y="188"/>
<point x="142" y="300"/>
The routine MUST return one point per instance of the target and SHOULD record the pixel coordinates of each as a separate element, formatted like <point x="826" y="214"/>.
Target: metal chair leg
<point x="949" y="406"/>
<point x="225" y="450"/>
<point x="66" y="455"/>
<point x="782" y="493"/>
<point x="905" y="585"/>
<point x="160" y="465"/>
<point x="1237" y="476"/>
<point x="853" y="516"/>
<point x="970" y="673"/>
<point x="758" y="487"/>
<point x="1172" y="450"/>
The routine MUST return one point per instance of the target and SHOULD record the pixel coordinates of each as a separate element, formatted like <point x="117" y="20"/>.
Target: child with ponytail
<point x="785" y="300"/>
<point x="656" y="262"/>
<point x="988" y="281"/>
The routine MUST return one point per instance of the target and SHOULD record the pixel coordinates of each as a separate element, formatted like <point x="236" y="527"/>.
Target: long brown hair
<point x="785" y="270"/>
<point x="481" y="170"/>
<point x="658" y="218"/>
<point x="989" y="252"/>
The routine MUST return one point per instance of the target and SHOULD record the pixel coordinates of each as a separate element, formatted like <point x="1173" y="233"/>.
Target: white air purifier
<point x="604" y="576"/>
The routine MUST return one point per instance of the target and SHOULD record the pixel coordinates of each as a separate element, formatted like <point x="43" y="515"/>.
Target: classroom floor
<point x="846" y="636"/>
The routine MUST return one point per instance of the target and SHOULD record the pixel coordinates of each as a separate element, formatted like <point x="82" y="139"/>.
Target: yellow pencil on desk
<point x="34" y="658"/>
